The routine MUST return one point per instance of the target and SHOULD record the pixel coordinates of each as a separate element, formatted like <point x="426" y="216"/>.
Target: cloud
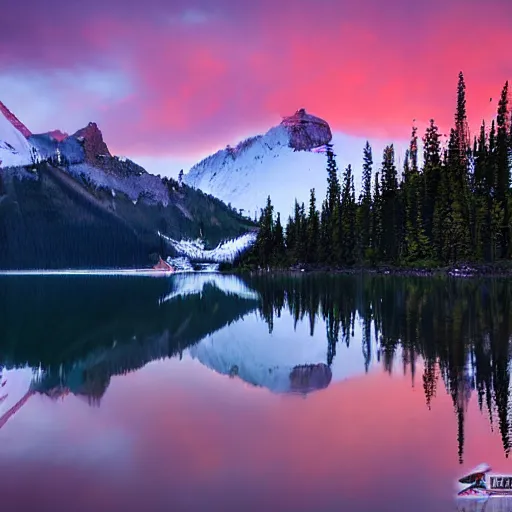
<point x="63" y="98"/>
<point x="223" y="68"/>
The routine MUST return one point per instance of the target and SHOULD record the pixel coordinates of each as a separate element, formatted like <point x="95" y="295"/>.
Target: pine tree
<point x="389" y="198"/>
<point x="265" y="240"/>
<point x="457" y="208"/>
<point x="364" y="212"/>
<point x="461" y="125"/>
<point x="347" y="218"/>
<point x="481" y="201"/>
<point x="503" y="170"/>
<point x="457" y="240"/>
<point x="432" y="174"/>
<point x="333" y="184"/>
<point x="301" y="230"/>
<point x="416" y="243"/>
<point x="376" y="221"/>
<point x="290" y="239"/>
<point x="323" y="249"/>
<point x="279" y="248"/>
<point x="495" y="218"/>
<point x="313" y="230"/>
<point x="333" y="213"/>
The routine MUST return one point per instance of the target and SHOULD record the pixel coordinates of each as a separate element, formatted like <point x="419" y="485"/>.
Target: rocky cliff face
<point x="84" y="146"/>
<point x="94" y="145"/>
<point x="306" y="131"/>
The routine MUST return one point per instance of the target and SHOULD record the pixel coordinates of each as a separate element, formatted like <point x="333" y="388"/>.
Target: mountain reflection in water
<point x="285" y="334"/>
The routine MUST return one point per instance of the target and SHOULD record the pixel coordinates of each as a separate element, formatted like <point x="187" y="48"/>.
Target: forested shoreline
<point x="454" y="208"/>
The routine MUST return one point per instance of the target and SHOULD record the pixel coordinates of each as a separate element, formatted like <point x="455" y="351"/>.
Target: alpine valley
<point x="67" y="202"/>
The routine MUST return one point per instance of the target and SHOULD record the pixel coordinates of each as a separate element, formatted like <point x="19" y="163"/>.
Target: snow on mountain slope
<point x="282" y="163"/>
<point x="15" y="150"/>
<point x="225" y="251"/>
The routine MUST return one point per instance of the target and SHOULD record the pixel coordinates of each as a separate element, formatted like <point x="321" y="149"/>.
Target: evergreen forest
<point x="453" y="207"/>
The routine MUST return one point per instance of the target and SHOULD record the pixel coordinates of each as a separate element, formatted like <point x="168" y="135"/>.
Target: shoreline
<point x="502" y="269"/>
<point x="455" y="271"/>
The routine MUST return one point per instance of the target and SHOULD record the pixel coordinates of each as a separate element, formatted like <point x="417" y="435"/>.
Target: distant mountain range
<point x="285" y="163"/>
<point x="67" y="202"/>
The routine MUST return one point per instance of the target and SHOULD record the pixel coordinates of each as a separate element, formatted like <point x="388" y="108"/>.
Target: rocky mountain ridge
<point x="67" y="202"/>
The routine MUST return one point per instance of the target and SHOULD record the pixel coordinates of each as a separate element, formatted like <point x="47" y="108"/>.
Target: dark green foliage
<point x="279" y="247"/>
<point x="313" y="230"/>
<point x="503" y="170"/>
<point x="348" y="219"/>
<point x="265" y="242"/>
<point x="389" y="206"/>
<point x="49" y="220"/>
<point x="364" y="212"/>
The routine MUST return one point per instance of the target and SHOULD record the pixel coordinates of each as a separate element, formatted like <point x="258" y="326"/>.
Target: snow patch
<point x="151" y="187"/>
<point x="15" y="149"/>
<point x="225" y="251"/>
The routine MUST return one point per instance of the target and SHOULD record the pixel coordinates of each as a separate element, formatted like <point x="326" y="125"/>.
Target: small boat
<point x="163" y="266"/>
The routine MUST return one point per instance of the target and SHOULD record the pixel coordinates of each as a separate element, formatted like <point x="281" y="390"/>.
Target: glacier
<point x="225" y="252"/>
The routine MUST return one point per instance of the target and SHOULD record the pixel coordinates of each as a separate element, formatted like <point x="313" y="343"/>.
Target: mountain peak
<point x="14" y="121"/>
<point x="93" y="142"/>
<point x="306" y="131"/>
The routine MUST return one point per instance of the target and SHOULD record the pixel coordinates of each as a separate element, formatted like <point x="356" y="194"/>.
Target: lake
<point x="216" y="392"/>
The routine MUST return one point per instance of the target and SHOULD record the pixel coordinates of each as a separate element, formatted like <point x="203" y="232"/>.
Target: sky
<point x="171" y="81"/>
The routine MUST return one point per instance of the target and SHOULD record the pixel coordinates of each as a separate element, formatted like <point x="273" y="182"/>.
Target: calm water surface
<point x="209" y="392"/>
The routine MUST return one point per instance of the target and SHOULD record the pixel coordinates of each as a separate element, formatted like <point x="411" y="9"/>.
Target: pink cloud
<point x="368" y="68"/>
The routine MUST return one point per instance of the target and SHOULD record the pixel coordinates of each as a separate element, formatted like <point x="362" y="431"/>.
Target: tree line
<point x="454" y="207"/>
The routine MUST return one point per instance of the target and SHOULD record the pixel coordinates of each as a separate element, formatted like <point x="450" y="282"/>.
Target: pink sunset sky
<point x="170" y="82"/>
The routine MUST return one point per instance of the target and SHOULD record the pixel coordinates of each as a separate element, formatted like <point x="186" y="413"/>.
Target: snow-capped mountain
<point x="285" y="163"/>
<point x="125" y="205"/>
<point x="15" y="149"/>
